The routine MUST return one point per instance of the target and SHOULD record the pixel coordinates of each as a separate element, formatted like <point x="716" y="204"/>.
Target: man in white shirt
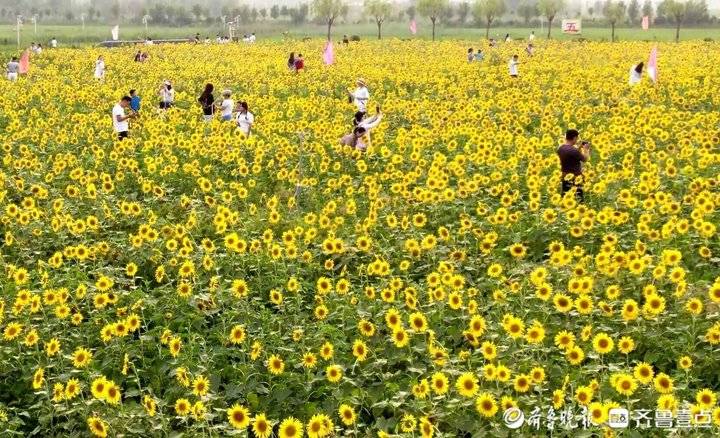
<point x="531" y="38"/>
<point x="120" y="119"/>
<point x="513" y="66"/>
<point x="244" y="118"/>
<point x="53" y="43"/>
<point x="360" y="96"/>
<point x="252" y="38"/>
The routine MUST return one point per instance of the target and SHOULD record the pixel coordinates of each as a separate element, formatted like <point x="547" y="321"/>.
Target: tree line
<point x="485" y="13"/>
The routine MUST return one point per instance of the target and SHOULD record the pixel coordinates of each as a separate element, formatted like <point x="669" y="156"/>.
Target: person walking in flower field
<point x="571" y="159"/>
<point x="207" y="102"/>
<point x="244" y="118"/>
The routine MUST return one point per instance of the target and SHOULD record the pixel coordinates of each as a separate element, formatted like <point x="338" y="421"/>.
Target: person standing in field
<point x="100" y="68"/>
<point x="207" y="102"/>
<point x="244" y="118"/>
<point x="167" y="95"/>
<point x="226" y="106"/>
<point x="299" y="63"/>
<point x="120" y="119"/>
<point x="479" y="55"/>
<point x="513" y="66"/>
<point x="368" y="123"/>
<point x="134" y="101"/>
<point x="13" y="67"/>
<point x="571" y="159"/>
<point x="53" y="43"/>
<point x="636" y="73"/>
<point x="470" y="55"/>
<point x="531" y="38"/>
<point x="291" y="62"/>
<point x="360" y="96"/>
<point x="530" y="49"/>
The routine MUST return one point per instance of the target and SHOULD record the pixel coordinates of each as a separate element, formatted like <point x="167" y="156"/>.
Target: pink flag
<point x="413" y="27"/>
<point x="24" y="62"/>
<point x="646" y="23"/>
<point x="329" y="54"/>
<point x="652" y="65"/>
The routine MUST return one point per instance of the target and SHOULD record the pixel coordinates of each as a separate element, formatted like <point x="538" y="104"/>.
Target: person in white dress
<point x="636" y="73"/>
<point x="244" y="119"/>
<point x="100" y="68"/>
<point x="360" y="97"/>
<point x="513" y="66"/>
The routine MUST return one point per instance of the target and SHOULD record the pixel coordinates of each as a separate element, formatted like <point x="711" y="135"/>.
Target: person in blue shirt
<point x="134" y="101"/>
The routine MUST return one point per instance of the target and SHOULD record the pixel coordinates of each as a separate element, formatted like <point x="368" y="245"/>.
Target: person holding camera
<point x="571" y="159"/>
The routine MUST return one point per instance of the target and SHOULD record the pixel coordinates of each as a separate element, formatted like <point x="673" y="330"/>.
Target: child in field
<point x="226" y="106"/>
<point x="636" y="73"/>
<point x="291" y="62"/>
<point x="167" y="95"/>
<point x="207" y="102"/>
<point x="470" y="55"/>
<point x="513" y="66"/>
<point x="134" y="101"/>
<point x="299" y="63"/>
<point x="12" y="69"/>
<point x="479" y="55"/>
<point x="100" y="68"/>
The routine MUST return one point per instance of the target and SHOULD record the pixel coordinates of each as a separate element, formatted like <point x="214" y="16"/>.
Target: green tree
<point x="527" y="11"/>
<point x="673" y="10"/>
<point x="379" y="10"/>
<point x="329" y="11"/>
<point x="550" y="9"/>
<point x="647" y="10"/>
<point x="614" y="13"/>
<point x="197" y="11"/>
<point x="463" y="12"/>
<point x="489" y="10"/>
<point x="433" y="9"/>
<point x="633" y="11"/>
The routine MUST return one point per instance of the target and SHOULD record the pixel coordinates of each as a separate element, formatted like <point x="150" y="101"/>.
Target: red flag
<point x="646" y="22"/>
<point x="413" y="27"/>
<point x="329" y="54"/>
<point x="24" y="62"/>
<point x="652" y="65"/>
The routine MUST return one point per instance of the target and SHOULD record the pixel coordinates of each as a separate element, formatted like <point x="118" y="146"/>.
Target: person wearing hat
<point x="167" y="95"/>
<point x="226" y="106"/>
<point x="360" y="96"/>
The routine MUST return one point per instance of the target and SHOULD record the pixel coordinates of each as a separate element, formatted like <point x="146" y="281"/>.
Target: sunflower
<point x="663" y="384"/>
<point x="602" y="343"/>
<point x="290" y="428"/>
<point x="486" y="405"/>
<point x="275" y="365"/>
<point x="182" y="407"/>
<point x="466" y="385"/>
<point x="238" y="416"/>
<point x="200" y="386"/>
<point x="97" y="426"/>
<point x="333" y="373"/>
<point x="347" y="414"/>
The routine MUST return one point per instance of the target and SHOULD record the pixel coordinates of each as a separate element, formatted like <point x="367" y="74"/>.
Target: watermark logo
<point x="618" y="418"/>
<point x="514" y="418"/>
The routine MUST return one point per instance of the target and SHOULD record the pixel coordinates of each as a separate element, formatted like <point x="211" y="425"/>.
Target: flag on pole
<point x="115" y="32"/>
<point x="652" y="65"/>
<point x="645" y="22"/>
<point x="329" y="54"/>
<point x="413" y="27"/>
<point x="24" y="62"/>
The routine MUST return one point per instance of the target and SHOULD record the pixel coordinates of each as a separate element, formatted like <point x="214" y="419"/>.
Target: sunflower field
<point x="189" y="281"/>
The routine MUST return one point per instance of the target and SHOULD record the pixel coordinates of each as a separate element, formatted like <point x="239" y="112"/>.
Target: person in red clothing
<point x="299" y="62"/>
<point x="571" y="159"/>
